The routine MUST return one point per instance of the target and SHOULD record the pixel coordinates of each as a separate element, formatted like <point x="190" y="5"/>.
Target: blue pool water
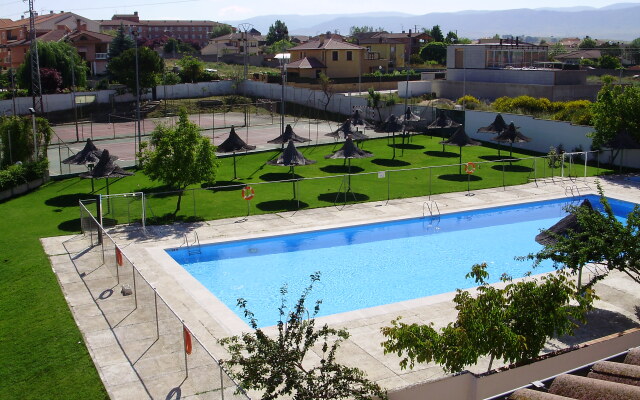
<point x="376" y="264"/>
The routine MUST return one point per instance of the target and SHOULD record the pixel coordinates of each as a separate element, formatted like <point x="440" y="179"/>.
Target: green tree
<point x="436" y="34"/>
<point x="511" y="324"/>
<point x="277" y="32"/>
<point x="326" y="85"/>
<point x="374" y="100"/>
<point x="121" y="42"/>
<point x="16" y="133"/>
<point x="617" y="108"/>
<point x="179" y="156"/>
<point x="150" y="68"/>
<point x="275" y="366"/>
<point x="634" y="46"/>
<point x="280" y="46"/>
<point x="556" y="50"/>
<point x="434" y="51"/>
<point x="60" y="56"/>
<point x="220" y="30"/>
<point x="192" y="68"/>
<point x="451" y="38"/>
<point x="600" y="239"/>
<point x="588" y="43"/>
<point x="609" y="62"/>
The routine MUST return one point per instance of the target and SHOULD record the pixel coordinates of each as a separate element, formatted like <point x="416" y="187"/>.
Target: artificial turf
<point x="43" y="354"/>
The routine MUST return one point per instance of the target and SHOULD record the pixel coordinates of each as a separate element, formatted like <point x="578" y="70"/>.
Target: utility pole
<point x="36" y="86"/>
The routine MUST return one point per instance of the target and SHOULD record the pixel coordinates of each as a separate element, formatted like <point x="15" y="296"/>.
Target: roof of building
<point x="237" y="36"/>
<point x="588" y="54"/>
<point x="40" y="19"/>
<point x="112" y="22"/>
<point x="379" y="40"/>
<point x="96" y="35"/>
<point x="329" y="44"/>
<point x="306" y="63"/>
<point x="401" y="35"/>
<point x="53" y="36"/>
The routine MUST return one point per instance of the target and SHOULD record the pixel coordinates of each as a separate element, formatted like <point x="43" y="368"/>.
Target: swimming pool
<point x="371" y="265"/>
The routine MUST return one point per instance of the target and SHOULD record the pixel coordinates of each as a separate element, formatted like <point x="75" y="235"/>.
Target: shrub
<point x="469" y="102"/>
<point x="19" y="173"/>
<point x="577" y="112"/>
<point x="523" y="105"/>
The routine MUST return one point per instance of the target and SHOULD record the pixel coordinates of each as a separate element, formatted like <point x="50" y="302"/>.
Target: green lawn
<point x="42" y="353"/>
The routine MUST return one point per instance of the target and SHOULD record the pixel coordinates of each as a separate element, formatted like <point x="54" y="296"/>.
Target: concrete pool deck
<point x="132" y="366"/>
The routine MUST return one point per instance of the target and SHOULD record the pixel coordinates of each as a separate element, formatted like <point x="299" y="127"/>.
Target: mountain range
<point x="614" y="22"/>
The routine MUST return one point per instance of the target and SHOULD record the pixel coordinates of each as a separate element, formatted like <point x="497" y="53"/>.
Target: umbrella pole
<point x="235" y="175"/>
<point x="393" y="145"/>
<point x="92" y="188"/>
<point x="460" y="165"/>
<point x="293" y="177"/>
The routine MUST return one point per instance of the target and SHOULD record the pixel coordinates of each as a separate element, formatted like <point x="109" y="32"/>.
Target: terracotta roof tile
<point x="329" y="44"/>
<point x="306" y="63"/>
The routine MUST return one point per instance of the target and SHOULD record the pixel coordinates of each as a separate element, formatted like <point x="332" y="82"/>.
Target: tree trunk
<point x="490" y="363"/>
<point x="178" y="205"/>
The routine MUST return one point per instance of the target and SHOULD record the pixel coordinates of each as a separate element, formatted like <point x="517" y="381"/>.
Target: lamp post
<point x="73" y="92"/>
<point x="135" y="34"/>
<point x="244" y="28"/>
<point x="380" y="82"/>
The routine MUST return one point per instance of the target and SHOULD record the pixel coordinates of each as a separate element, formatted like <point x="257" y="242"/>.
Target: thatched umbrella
<point x="291" y="157"/>
<point x="391" y="125"/>
<point x="347" y="128"/>
<point x="348" y="151"/>
<point x="511" y="135"/>
<point x="622" y="141"/>
<point x="232" y="144"/>
<point x="460" y="139"/>
<point x="443" y="121"/>
<point x="357" y="120"/>
<point x="89" y="155"/>
<point x="497" y="126"/>
<point x="106" y="168"/>
<point x="569" y="223"/>
<point x="287" y="136"/>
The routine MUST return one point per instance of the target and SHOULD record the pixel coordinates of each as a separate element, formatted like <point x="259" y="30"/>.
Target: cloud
<point x="235" y="12"/>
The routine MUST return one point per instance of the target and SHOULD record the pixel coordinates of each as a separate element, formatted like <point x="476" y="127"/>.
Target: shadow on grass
<point x="68" y="200"/>
<point x="338" y="197"/>
<point x="159" y="191"/>
<point x="512" y="168"/>
<point x="281" y="205"/>
<point x="407" y="146"/>
<point x="169" y="218"/>
<point x="341" y="169"/>
<point x="460" y="178"/>
<point x="72" y="225"/>
<point x="223" y="186"/>
<point x="441" y="154"/>
<point x="386" y="162"/>
<point x="493" y="158"/>
<point x="279" y="176"/>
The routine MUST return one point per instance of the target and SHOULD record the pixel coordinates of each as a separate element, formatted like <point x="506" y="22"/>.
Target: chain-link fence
<point x="169" y="359"/>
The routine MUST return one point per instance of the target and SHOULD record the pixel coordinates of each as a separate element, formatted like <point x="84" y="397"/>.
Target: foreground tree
<point x="16" y="133"/>
<point x="276" y="365"/>
<point x="511" y="324"/>
<point x="120" y="43"/>
<point x="434" y="51"/>
<point x="601" y="239"/>
<point x="192" y="68"/>
<point x="220" y="30"/>
<point x="617" y="108"/>
<point x="179" y="156"/>
<point x="150" y="67"/>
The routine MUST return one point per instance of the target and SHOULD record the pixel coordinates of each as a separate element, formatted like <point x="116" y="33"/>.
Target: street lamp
<point x="283" y="58"/>
<point x="380" y="83"/>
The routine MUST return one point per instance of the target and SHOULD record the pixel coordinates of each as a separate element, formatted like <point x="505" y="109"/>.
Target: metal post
<point x="35" y="134"/>
<point x="135" y="37"/>
<point x="73" y="94"/>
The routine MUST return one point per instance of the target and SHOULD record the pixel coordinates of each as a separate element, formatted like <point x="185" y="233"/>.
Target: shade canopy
<point x="291" y="157"/>
<point x="89" y="155"/>
<point x="562" y="227"/>
<point x="623" y="140"/>
<point x="347" y="128"/>
<point x="358" y="120"/>
<point x="409" y="116"/>
<point x="511" y="135"/>
<point x="233" y="143"/>
<point x="106" y="168"/>
<point x="460" y="139"/>
<point x="349" y="150"/>
<point x="287" y="136"/>
<point x="391" y="124"/>
<point x="443" y="121"/>
<point x="498" y="125"/>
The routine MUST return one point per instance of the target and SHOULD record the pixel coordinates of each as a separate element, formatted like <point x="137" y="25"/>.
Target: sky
<point x="224" y="10"/>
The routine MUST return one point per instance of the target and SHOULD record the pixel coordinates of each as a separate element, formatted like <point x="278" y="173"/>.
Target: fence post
<point x="388" y="185"/>
<point x="504" y="187"/>
<point x="429" y="183"/>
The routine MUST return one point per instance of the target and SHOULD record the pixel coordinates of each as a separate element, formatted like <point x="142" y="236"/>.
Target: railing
<point x="168" y="357"/>
<point x="101" y="56"/>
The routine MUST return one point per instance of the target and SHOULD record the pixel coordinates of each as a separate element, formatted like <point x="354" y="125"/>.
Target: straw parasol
<point x="287" y="136"/>
<point x="348" y="128"/>
<point x="391" y="125"/>
<point x="348" y="151"/>
<point x="498" y="125"/>
<point x="291" y="157"/>
<point x="511" y="135"/>
<point x="357" y="120"/>
<point x="460" y="139"/>
<point x="106" y="168"/>
<point x="232" y="144"/>
<point x="89" y="155"/>
<point x="562" y="227"/>
<point x="443" y="121"/>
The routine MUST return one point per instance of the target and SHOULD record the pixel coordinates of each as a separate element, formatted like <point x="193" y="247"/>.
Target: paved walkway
<point x="140" y="355"/>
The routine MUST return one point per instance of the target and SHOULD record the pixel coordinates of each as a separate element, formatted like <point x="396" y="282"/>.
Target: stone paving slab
<point x="157" y="360"/>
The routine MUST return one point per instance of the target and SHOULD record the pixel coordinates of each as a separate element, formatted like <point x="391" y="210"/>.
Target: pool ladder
<point x="570" y="190"/>
<point x="433" y="208"/>
<point x="194" y="247"/>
